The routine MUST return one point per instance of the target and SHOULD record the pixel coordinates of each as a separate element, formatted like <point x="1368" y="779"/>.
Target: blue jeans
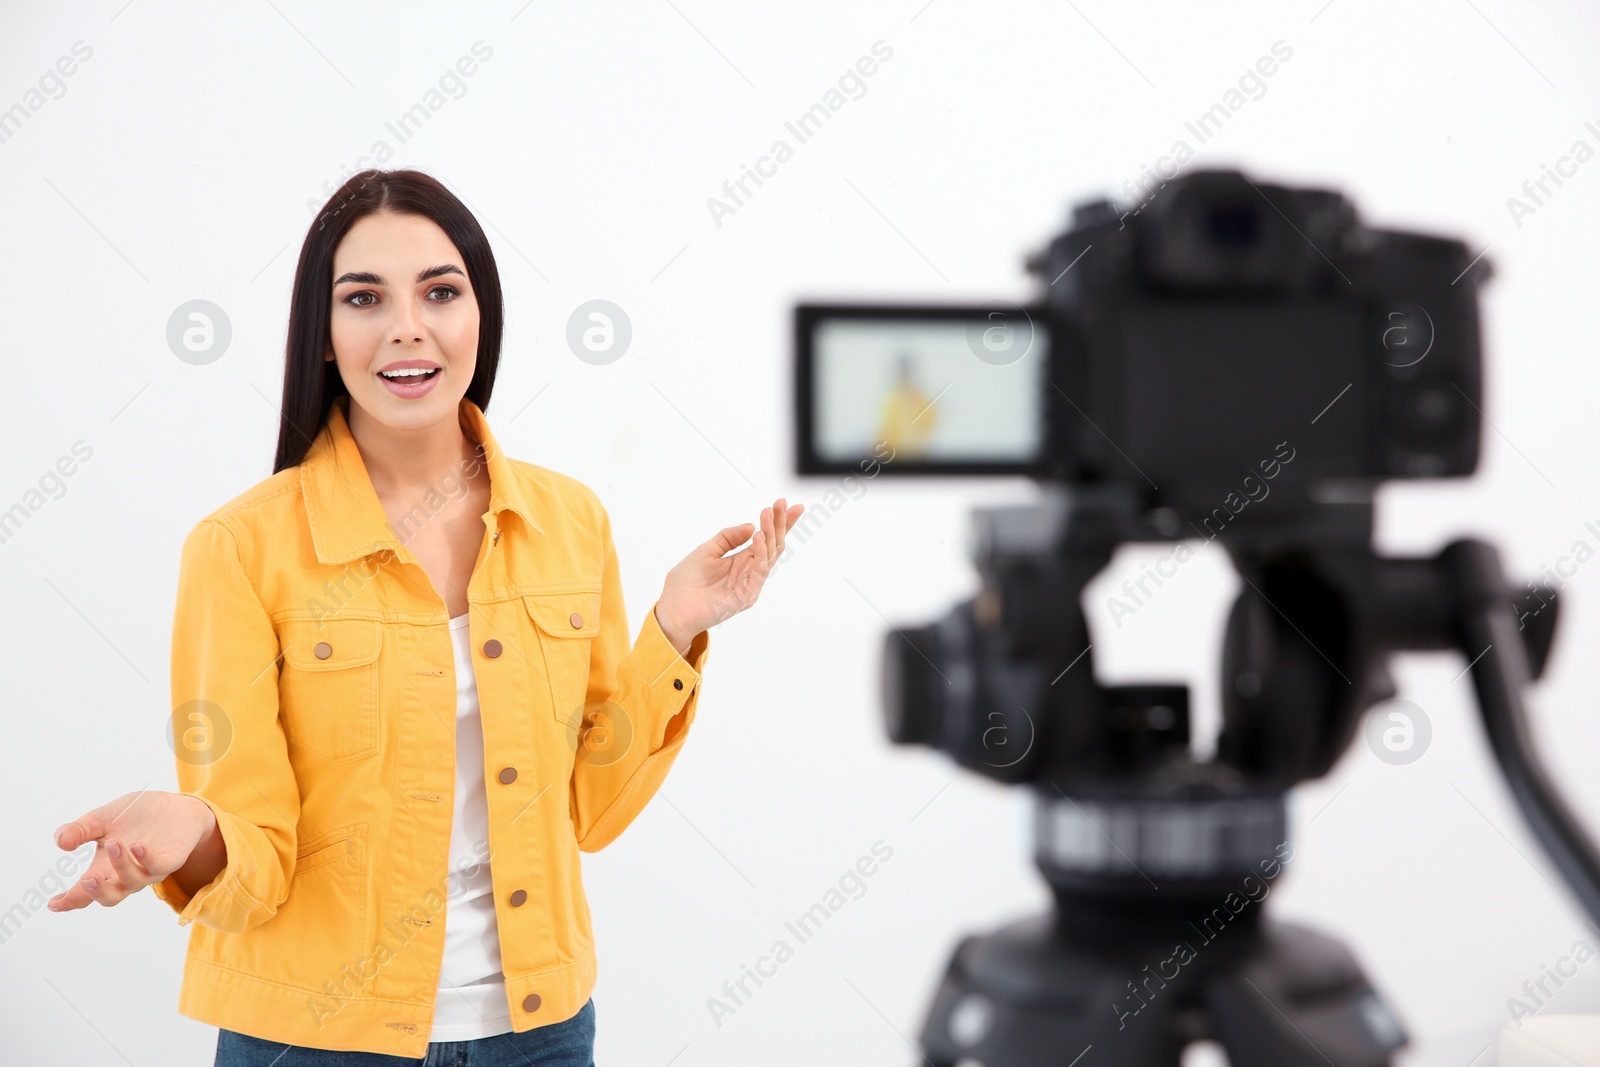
<point x="565" y="1044"/>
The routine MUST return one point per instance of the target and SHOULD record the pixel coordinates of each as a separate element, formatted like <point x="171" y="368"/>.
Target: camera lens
<point x="910" y="658"/>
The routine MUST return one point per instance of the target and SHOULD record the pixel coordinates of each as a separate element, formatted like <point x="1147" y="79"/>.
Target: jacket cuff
<point x="222" y="902"/>
<point x="670" y="677"/>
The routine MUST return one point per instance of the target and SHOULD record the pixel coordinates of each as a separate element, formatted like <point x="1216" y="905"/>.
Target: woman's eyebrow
<point x="366" y="277"/>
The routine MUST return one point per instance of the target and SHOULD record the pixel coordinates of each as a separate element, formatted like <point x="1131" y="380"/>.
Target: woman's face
<point x="402" y="299"/>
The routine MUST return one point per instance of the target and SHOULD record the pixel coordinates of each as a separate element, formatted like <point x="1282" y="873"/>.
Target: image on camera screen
<point x="927" y="390"/>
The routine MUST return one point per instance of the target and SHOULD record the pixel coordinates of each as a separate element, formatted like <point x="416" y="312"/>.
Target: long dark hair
<point x="312" y="383"/>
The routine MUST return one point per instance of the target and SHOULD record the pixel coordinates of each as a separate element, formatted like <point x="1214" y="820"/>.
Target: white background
<point x="179" y="163"/>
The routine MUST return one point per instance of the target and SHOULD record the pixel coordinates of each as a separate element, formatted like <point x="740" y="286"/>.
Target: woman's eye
<point x="355" y="299"/>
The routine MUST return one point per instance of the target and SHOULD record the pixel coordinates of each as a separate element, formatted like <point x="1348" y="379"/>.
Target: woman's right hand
<point x="141" y="838"/>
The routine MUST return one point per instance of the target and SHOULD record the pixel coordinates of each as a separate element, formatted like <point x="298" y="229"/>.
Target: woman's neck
<point x="406" y="463"/>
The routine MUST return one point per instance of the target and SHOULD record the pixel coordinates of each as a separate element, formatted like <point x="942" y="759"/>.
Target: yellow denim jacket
<point x="314" y="695"/>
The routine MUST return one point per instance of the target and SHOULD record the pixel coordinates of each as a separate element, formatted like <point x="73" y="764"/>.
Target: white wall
<point x="179" y="164"/>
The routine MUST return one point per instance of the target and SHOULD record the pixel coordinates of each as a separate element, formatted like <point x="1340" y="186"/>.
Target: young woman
<point x="404" y="696"/>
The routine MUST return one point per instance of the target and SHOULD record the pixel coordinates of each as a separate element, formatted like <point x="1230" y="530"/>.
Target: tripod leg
<point x="1298" y="999"/>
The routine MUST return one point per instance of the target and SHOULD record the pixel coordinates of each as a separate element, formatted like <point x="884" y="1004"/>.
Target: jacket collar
<point x="347" y="519"/>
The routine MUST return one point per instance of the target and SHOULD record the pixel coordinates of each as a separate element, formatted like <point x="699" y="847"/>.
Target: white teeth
<point x="409" y="372"/>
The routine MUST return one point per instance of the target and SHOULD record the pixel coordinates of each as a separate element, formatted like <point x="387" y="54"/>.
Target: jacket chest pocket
<point x="598" y="732"/>
<point x="566" y="625"/>
<point x="329" y="686"/>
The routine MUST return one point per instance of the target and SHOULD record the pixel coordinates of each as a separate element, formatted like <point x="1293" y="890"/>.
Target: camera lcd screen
<point x="946" y="391"/>
<point x="1212" y="386"/>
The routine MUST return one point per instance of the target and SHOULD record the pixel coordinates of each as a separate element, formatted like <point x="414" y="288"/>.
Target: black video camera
<point x="1225" y="360"/>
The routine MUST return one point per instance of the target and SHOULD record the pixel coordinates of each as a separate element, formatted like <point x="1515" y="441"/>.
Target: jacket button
<point x="508" y="775"/>
<point x="519" y="898"/>
<point x="576" y="620"/>
<point x="677" y="683"/>
<point x="491" y="648"/>
<point x="530" y="1002"/>
<point x="323" y="650"/>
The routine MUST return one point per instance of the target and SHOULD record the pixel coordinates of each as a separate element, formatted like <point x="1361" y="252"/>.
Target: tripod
<point x="1158" y="863"/>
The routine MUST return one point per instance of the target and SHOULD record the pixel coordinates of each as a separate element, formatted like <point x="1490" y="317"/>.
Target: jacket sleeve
<point x="230" y="747"/>
<point x="644" y="698"/>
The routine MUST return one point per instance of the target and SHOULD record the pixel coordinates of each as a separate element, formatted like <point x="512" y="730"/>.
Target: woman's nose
<point x="406" y="325"/>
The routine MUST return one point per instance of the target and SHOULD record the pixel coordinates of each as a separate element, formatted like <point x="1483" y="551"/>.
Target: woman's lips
<point x="413" y="386"/>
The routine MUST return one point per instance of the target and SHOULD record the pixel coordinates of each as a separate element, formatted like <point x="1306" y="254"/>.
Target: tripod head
<point x="1004" y="684"/>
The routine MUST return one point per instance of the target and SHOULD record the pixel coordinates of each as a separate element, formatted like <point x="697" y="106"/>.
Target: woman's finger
<point x="131" y="874"/>
<point x="728" y="539"/>
<point x="77" y="895"/>
<point x="90" y="887"/>
<point x="68" y="899"/>
<point x="784" y="522"/>
<point x="71" y="900"/>
<point x="88" y="827"/>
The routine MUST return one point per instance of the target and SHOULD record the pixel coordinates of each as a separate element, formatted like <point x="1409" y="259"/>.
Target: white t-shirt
<point x="472" y="990"/>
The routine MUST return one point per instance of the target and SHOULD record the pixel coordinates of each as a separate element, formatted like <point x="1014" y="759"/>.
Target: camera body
<point x="1218" y="335"/>
<point x="1222" y="318"/>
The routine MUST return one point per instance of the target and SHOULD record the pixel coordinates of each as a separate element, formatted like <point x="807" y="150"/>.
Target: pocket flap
<point x="328" y="847"/>
<point x="565" y="614"/>
<point x="328" y="645"/>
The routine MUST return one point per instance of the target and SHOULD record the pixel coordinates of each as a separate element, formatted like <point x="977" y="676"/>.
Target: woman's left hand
<point x="709" y="586"/>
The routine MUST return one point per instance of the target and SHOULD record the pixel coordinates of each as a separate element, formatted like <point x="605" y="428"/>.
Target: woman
<point x="334" y="858"/>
